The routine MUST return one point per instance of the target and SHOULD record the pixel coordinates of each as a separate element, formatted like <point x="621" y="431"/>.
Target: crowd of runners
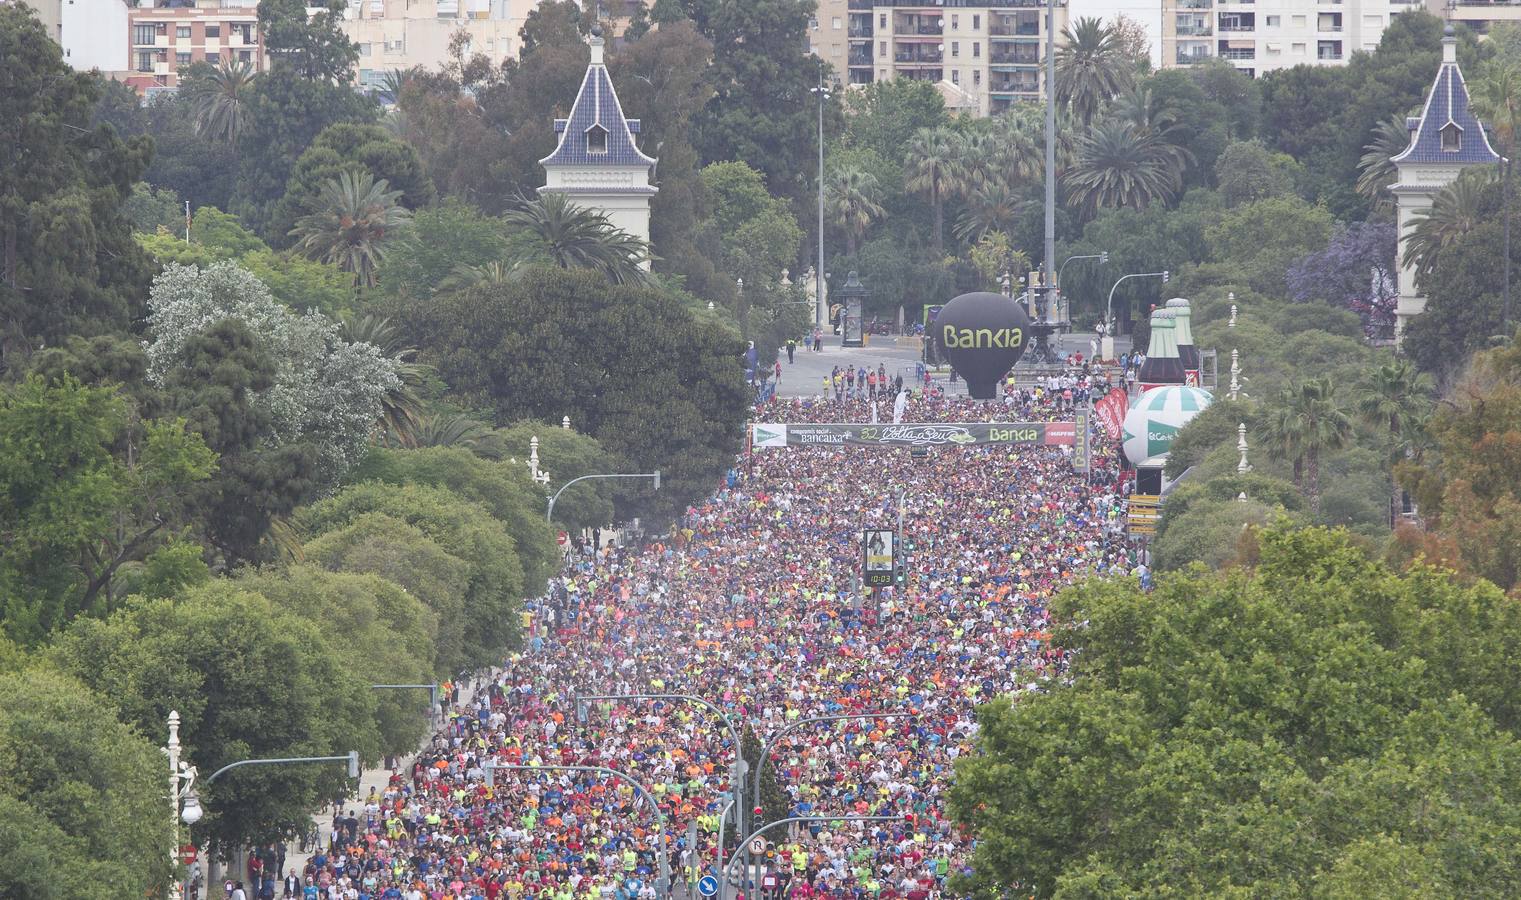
<point x="752" y="603"/>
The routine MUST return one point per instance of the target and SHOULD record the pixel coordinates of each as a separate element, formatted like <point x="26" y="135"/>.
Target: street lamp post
<point x="1107" y="351"/>
<point x="181" y="791"/>
<point x="821" y="312"/>
<point x="549" y="516"/>
<point x="1102" y="256"/>
<point x="664" y="887"/>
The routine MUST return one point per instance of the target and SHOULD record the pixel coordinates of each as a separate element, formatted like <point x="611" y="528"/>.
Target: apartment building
<point x="400" y="34"/>
<point x="1478" y="15"/>
<point x="164" y="36"/>
<point x="829" y="35"/>
<point x="989" y="52"/>
<point x="1277" y="34"/>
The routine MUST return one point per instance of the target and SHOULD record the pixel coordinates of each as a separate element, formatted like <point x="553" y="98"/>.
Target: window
<point x="835" y="23"/>
<point x="596" y="139"/>
<point x="145" y="60"/>
<point x="213" y="57"/>
<point x="955" y="48"/>
<point x="181" y="32"/>
<point x="955" y="76"/>
<point x="882" y="74"/>
<point x="882" y="20"/>
<point x="976" y="22"/>
<point x="1272" y="21"/>
<point x="955" y="22"/>
<point x="976" y="50"/>
<point x="182" y="59"/>
<point x="1299" y="48"/>
<point x="976" y="76"/>
<point x="1299" y="21"/>
<point x="245" y="55"/>
<point x="213" y="31"/>
<point x="1452" y="138"/>
<point x="364" y="49"/>
<point x="144" y="34"/>
<point x="881" y="48"/>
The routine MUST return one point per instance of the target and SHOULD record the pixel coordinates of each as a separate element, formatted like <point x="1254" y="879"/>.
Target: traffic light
<point x="900" y="576"/>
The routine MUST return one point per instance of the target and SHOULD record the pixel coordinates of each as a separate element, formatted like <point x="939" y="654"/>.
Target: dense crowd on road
<point x="751" y="602"/>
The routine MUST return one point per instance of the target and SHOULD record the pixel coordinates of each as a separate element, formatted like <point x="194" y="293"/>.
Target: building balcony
<point x="919" y="59"/>
<point x="1237" y="28"/>
<point x="1188" y="59"/>
<point x="859" y="59"/>
<point x="860" y="31"/>
<point x="1195" y="31"/>
<point x="1328" y="55"/>
<point x="1238" y="53"/>
<point x="1194" y="4"/>
<point x="1019" y="57"/>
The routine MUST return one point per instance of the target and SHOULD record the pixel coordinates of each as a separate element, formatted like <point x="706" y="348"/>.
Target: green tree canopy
<point x="616" y="359"/>
<point x="82" y="811"/>
<point x="87" y="487"/>
<point x="1259" y="733"/>
<point x="68" y="264"/>
<point x="465" y="530"/>
<point x="355" y="149"/>
<point x="249" y="680"/>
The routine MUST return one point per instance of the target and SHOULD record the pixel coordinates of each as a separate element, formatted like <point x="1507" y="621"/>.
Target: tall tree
<point x="249" y="680"/>
<point x="761" y="111"/>
<point x="850" y="202"/>
<point x="524" y="349"/>
<point x="1307" y="423"/>
<point x="552" y="228"/>
<point x="88" y="487"/>
<point x="1389" y="139"/>
<point x="82" y="802"/>
<point x="220" y="95"/>
<point x="1497" y="101"/>
<point x="933" y="168"/>
<point x="311" y="45"/>
<point x="1120" y="166"/>
<point x="1395" y="398"/>
<point x="355" y="219"/>
<point x="1306" y="727"/>
<point x="1456" y="210"/>
<point x="1091" y="67"/>
<point x="68" y="263"/>
<point x="346" y="147"/>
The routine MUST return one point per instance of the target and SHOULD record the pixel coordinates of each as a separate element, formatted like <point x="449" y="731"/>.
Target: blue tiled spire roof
<point x="597" y="106"/>
<point x="1447" y="106"/>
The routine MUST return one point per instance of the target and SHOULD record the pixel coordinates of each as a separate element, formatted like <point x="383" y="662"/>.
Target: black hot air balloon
<point x="983" y="334"/>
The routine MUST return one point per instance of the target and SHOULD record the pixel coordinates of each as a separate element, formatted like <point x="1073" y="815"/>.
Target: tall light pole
<point x="821" y="313"/>
<point x="1048" y="257"/>
<point x="549" y="515"/>
<point x="1107" y="345"/>
<point x="183" y="803"/>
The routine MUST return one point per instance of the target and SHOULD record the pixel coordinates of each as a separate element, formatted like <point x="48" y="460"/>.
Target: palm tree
<point x="850" y="201"/>
<point x="570" y="236"/>
<point x="401" y="408"/>
<point x="1390" y="138"/>
<point x="497" y="272"/>
<point x="1496" y="98"/>
<point x="1122" y="167"/>
<point x="1306" y="423"/>
<point x="981" y="158"/>
<point x="933" y="168"/>
<point x="1456" y="210"/>
<point x="992" y="207"/>
<point x="1139" y="108"/>
<point x="394" y="81"/>
<point x="1395" y="398"/>
<point x="220" y="100"/>
<point x="356" y="216"/>
<point x="1091" y="68"/>
<point x="450" y="431"/>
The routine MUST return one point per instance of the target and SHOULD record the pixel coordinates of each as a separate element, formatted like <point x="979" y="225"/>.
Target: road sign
<point x="562" y="538"/>
<point x="707" y="886"/>
<point x="758" y="846"/>
<point x="187" y="854"/>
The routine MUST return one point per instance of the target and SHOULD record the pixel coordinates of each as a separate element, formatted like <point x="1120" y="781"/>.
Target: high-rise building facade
<point x="1275" y="34"/>
<point x="400" y="34"/>
<point x="164" y="36"/>
<point x="985" y="54"/>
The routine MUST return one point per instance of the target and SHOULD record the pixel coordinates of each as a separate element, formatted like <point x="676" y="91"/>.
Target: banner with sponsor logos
<point x="1111" y="410"/>
<point x="926" y="435"/>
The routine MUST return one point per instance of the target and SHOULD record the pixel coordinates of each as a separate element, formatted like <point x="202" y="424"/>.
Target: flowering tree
<point x="326" y="391"/>
<point x="1356" y="270"/>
